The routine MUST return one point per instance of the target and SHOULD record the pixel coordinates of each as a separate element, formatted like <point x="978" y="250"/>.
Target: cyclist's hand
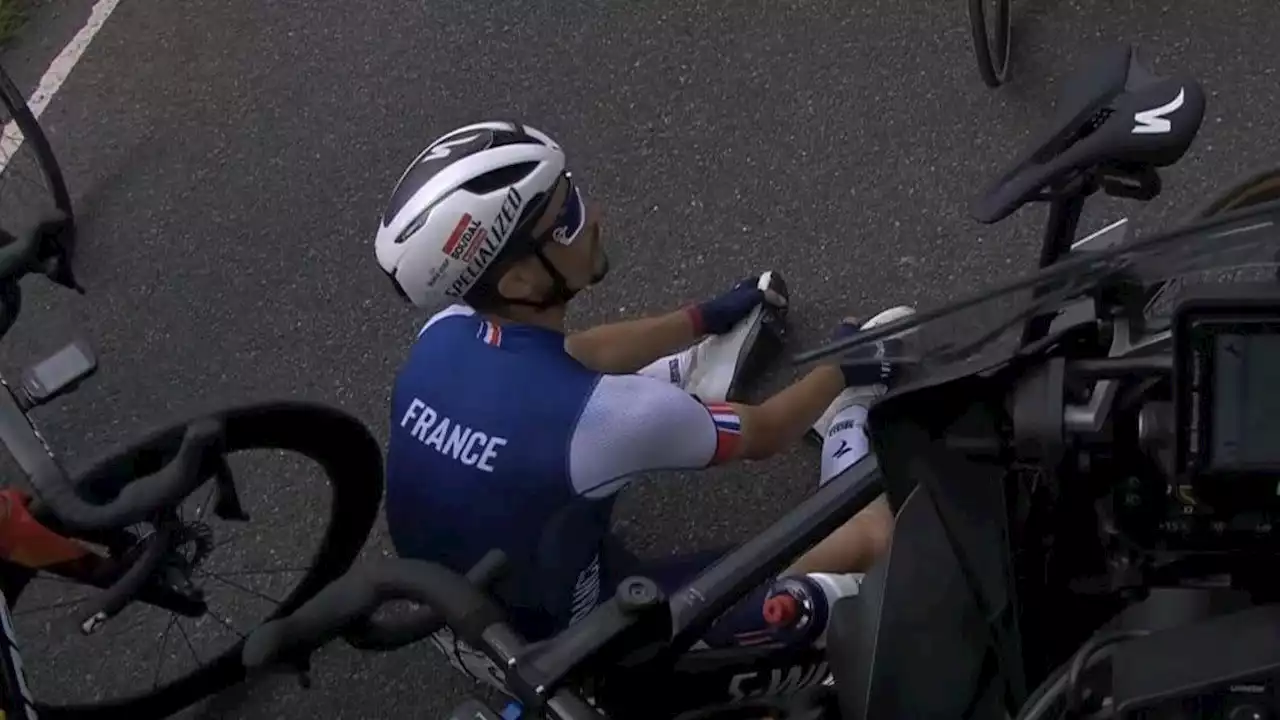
<point x="857" y="371"/>
<point x="720" y="314"/>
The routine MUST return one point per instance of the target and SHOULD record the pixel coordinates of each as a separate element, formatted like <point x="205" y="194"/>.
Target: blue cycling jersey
<point x="500" y="439"/>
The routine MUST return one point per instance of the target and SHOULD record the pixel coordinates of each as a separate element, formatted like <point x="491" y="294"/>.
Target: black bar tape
<point x="462" y="606"/>
<point x="140" y="499"/>
<point x="447" y="597"/>
<point x="408" y="628"/>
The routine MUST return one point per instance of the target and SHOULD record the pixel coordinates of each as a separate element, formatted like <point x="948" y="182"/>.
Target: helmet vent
<point x="498" y="179"/>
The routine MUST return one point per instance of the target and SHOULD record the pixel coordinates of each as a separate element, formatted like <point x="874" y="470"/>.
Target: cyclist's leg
<point x="845" y="442"/>
<point x="856" y="545"/>
<point x="672" y="368"/>
<point x="716" y="367"/>
<point x="743" y="625"/>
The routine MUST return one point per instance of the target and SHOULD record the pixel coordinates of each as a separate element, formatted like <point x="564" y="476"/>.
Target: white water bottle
<point x="797" y="608"/>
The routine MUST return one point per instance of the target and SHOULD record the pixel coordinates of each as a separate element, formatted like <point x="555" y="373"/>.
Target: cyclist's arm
<point x="779" y="422"/>
<point x="627" y="346"/>
<point x="633" y="424"/>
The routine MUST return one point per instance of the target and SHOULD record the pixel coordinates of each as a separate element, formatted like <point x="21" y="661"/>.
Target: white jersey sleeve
<point x="632" y="424"/>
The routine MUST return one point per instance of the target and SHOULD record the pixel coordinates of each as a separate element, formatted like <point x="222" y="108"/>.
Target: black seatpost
<point x="1059" y="232"/>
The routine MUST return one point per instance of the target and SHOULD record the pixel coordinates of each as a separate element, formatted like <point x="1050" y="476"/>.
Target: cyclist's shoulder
<point x="473" y="366"/>
<point x="449" y="321"/>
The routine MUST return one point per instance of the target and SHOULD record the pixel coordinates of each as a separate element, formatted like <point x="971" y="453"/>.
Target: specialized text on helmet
<point x="481" y="245"/>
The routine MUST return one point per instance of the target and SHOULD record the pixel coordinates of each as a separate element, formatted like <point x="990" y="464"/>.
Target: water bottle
<point x="797" y="607"/>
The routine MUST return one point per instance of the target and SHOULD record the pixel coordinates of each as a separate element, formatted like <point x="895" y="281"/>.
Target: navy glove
<point x="858" y="372"/>
<point x="718" y="315"/>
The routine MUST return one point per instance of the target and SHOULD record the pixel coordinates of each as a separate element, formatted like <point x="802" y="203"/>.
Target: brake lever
<point x="53" y="255"/>
<point x="59" y="272"/>
<point x="226" y="503"/>
<point x="301" y="667"/>
<point x="295" y="662"/>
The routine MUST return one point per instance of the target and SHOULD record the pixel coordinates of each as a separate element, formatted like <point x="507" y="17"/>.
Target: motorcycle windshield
<point x="1241" y="246"/>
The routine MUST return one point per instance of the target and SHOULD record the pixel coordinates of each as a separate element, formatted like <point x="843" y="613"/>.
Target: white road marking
<point x="53" y="78"/>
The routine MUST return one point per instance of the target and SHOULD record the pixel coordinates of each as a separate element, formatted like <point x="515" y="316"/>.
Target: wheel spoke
<point x="225" y="623"/>
<point x="123" y="640"/>
<point x="164" y="638"/>
<point x="242" y="588"/>
<point x="187" y="640"/>
<point x="39" y="185"/>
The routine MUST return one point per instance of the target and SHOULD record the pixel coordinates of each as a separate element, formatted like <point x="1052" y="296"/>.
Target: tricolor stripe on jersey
<point x="490" y="333"/>
<point x="728" y="431"/>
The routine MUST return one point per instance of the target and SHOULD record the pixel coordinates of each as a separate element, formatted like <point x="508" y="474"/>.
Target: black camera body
<point x="1226" y="386"/>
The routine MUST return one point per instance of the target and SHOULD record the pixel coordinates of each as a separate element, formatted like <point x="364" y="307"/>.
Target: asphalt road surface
<point x="229" y="159"/>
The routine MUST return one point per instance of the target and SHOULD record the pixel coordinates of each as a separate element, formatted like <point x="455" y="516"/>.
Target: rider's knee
<point x="876" y="527"/>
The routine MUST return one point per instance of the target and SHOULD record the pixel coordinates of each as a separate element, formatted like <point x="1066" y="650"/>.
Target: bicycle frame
<point x="31" y="542"/>
<point x="28" y="546"/>
<point x="739" y="675"/>
<point x="723" y="679"/>
<point x="15" y="697"/>
<point x="1059" y="232"/>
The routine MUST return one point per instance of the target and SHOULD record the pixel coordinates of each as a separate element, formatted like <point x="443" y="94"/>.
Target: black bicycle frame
<point x="697" y="605"/>
<point x="15" y="697"/>
<point x="713" y="678"/>
<point x="705" y="677"/>
<point x="1059" y="233"/>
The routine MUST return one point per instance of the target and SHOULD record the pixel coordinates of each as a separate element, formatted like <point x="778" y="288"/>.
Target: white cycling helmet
<point x="465" y="203"/>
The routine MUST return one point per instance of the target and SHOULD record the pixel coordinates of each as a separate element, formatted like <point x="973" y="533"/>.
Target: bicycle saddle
<point x="1113" y="111"/>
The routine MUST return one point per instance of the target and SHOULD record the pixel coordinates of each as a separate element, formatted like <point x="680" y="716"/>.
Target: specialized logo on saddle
<point x="1155" y="120"/>
<point x="471" y="447"/>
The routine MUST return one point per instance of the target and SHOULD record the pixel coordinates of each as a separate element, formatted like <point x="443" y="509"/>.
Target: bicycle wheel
<point x="22" y="130"/>
<point x="352" y="461"/>
<point x="991" y="46"/>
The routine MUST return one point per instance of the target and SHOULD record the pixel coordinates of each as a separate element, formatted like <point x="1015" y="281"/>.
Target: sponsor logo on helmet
<point x="469" y="144"/>
<point x="432" y="160"/>
<point x="487" y="243"/>
<point x="466" y="239"/>
<point x="436" y="274"/>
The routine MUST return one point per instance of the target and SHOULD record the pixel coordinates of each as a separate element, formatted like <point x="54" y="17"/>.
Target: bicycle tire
<point x="32" y="133"/>
<point x="354" y="469"/>
<point x="993" y="67"/>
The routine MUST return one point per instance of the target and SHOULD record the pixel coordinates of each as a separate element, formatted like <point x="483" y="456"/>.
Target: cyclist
<point x="509" y="432"/>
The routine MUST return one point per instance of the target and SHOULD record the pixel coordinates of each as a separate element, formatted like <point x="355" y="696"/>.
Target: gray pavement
<point x="229" y="159"/>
